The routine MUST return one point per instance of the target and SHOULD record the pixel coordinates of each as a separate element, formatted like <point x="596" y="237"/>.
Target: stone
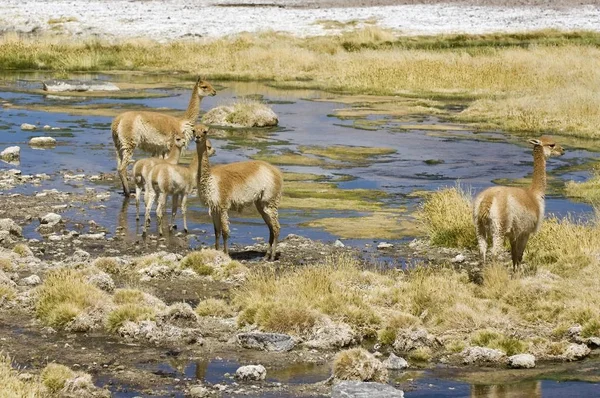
<point x="266" y="341"/>
<point x="199" y="391"/>
<point x="521" y="361"/>
<point x="78" y="85"/>
<point x="27" y="126"/>
<point x="361" y="389"/>
<point x="42" y="141"/>
<point x="258" y="115"/>
<point x="102" y="281"/>
<point x="50" y="219"/>
<point x="97" y="236"/>
<point x="7" y="224"/>
<point x="395" y="362"/>
<point x="458" y="259"/>
<point x="79" y="256"/>
<point x="32" y="280"/>
<point x="593" y="341"/>
<point x="384" y="245"/>
<point x="10" y="154"/>
<point x="482" y="354"/>
<point x="408" y="340"/>
<point x="328" y="335"/>
<point x="575" y="352"/>
<point x="251" y="372"/>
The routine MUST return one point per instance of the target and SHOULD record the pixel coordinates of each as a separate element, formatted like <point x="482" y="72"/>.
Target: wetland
<point x="357" y="170"/>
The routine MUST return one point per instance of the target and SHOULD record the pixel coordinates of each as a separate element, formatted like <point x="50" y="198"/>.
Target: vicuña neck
<point x="538" y="184"/>
<point x="203" y="166"/>
<point x="174" y="154"/>
<point x="193" y="109"/>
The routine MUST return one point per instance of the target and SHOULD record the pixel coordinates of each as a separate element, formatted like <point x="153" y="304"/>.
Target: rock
<point x="241" y="115"/>
<point x="77" y="85"/>
<point x="593" y="341"/>
<point x="102" y="281"/>
<point x="575" y="330"/>
<point x="482" y="354"/>
<point x="251" y="372"/>
<point x="50" y="219"/>
<point x="361" y="389"/>
<point x="266" y="341"/>
<point x="42" y="141"/>
<point x="25" y="376"/>
<point x="32" y="280"/>
<point x="178" y="314"/>
<point x="458" y="259"/>
<point x="521" y="361"/>
<point x="384" y="245"/>
<point x="338" y="243"/>
<point x="575" y="352"/>
<point x="27" y="126"/>
<point x="79" y="256"/>
<point x="6" y="224"/>
<point x="328" y="335"/>
<point x="408" y="340"/>
<point x="199" y="392"/>
<point x="395" y="362"/>
<point x="5" y="280"/>
<point x="97" y="236"/>
<point x="10" y="154"/>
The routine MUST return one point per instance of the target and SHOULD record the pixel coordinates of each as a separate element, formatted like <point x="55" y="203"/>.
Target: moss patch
<point x="347" y="153"/>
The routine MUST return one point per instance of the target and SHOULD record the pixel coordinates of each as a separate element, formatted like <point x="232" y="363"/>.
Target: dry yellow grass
<point x="537" y="88"/>
<point x="11" y="386"/>
<point x="588" y="191"/>
<point x="446" y="216"/>
<point x="558" y="288"/>
<point x="63" y="295"/>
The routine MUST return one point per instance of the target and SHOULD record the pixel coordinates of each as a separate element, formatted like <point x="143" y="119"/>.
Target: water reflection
<point x="531" y="389"/>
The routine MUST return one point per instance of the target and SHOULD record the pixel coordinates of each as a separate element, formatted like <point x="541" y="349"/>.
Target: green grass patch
<point x="214" y="307"/>
<point x="54" y="377"/>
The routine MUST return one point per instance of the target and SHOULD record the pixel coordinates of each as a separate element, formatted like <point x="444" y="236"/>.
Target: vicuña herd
<point x="498" y="212"/>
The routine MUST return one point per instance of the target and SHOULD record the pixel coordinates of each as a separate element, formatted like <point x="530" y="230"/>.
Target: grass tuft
<point x="54" y="377"/>
<point x="214" y="307"/>
<point x="11" y="385"/>
<point x="202" y="262"/>
<point x="491" y="339"/>
<point x="22" y="250"/>
<point x="107" y="264"/>
<point x="447" y="218"/>
<point x="128" y="296"/>
<point x="358" y="364"/>
<point x="64" y="294"/>
<point x="128" y="312"/>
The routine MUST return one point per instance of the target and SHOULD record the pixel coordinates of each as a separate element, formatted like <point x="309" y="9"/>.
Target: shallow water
<point x="85" y="146"/>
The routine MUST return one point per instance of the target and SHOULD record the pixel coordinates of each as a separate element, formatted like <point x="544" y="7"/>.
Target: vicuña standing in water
<point x="515" y="213"/>
<point x="152" y="131"/>
<point x="176" y="180"/>
<point x="238" y="185"/>
<point x="143" y="167"/>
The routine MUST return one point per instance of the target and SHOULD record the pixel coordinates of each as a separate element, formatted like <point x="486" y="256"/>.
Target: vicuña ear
<point x="535" y="142"/>
<point x="198" y="79"/>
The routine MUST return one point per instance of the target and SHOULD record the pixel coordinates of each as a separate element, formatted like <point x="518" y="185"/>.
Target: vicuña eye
<point x="552" y="145"/>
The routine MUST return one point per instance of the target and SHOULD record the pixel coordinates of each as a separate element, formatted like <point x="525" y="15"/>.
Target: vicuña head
<point x="238" y="185"/>
<point x="153" y="131"/>
<point x="516" y="213"/>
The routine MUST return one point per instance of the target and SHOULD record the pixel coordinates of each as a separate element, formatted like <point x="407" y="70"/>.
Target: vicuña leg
<point x="225" y="230"/>
<point x="216" y="217"/>
<point x="271" y="218"/>
<point x="160" y="211"/>
<point x="149" y="201"/>
<point x="184" y="211"/>
<point x="124" y="157"/>
<point x="174" y="205"/>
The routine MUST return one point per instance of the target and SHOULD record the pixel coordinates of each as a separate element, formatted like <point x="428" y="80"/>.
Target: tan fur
<point x="143" y="167"/>
<point x="516" y="213"/>
<point x="165" y="179"/>
<point x="238" y="185"/>
<point x="153" y="132"/>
